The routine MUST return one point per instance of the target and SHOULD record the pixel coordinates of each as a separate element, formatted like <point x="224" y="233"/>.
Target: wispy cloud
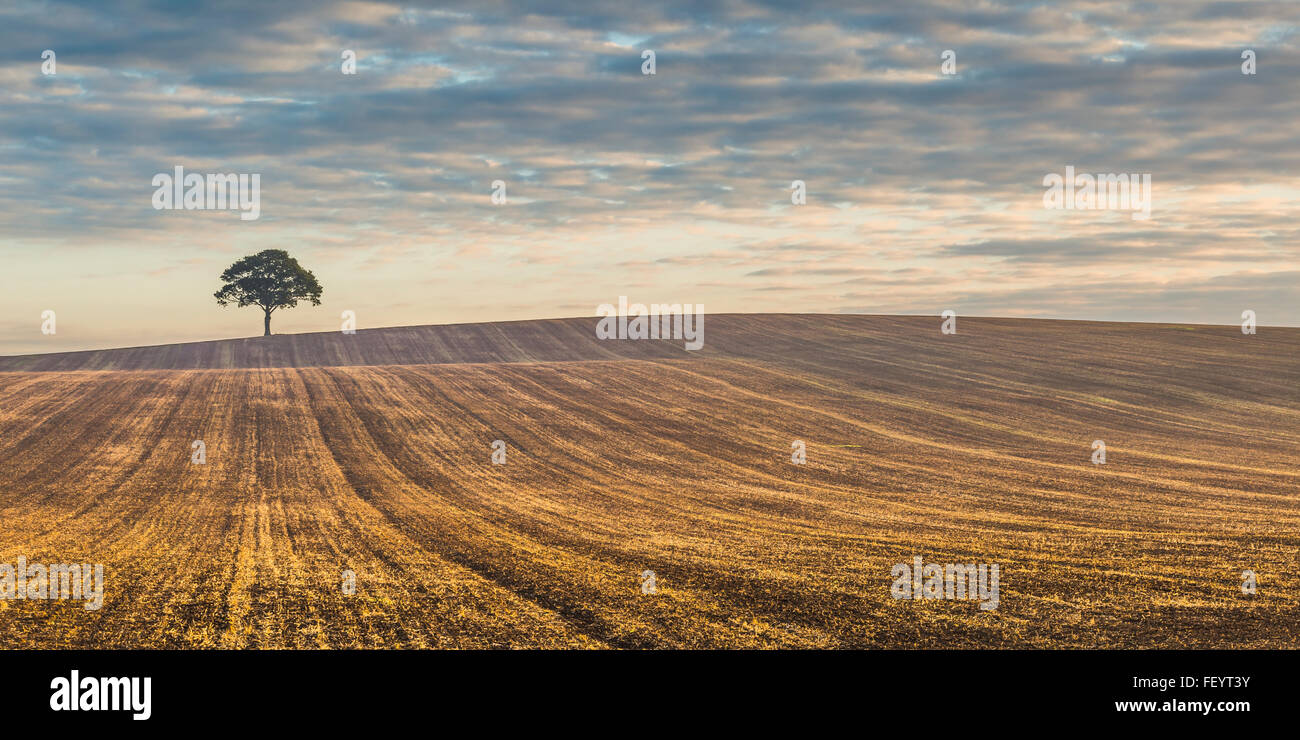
<point x="924" y="190"/>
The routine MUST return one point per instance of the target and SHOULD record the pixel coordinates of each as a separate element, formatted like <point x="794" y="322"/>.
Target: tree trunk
<point x="268" y="324"/>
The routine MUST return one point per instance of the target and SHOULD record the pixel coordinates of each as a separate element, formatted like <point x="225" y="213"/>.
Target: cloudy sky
<point x="924" y="190"/>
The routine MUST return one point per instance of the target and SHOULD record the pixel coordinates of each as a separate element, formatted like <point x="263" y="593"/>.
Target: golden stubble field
<point x="371" y="453"/>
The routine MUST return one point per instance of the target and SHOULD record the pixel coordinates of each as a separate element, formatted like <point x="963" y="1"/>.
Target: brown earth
<point x="371" y="452"/>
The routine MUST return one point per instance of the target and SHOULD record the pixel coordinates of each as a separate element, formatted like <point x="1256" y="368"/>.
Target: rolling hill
<point x="371" y="453"/>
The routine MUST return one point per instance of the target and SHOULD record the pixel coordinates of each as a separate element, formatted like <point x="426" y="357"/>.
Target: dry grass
<point x="626" y="456"/>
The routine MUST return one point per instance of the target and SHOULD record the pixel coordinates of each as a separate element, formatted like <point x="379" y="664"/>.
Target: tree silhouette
<point x="270" y="279"/>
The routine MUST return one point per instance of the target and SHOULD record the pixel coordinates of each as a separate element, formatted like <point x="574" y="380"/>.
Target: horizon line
<point x="572" y="318"/>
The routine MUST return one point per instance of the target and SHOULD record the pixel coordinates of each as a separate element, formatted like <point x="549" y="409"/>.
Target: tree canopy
<point x="270" y="279"/>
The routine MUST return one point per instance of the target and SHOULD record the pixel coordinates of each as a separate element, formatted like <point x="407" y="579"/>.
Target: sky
<point x="924" y="190"/>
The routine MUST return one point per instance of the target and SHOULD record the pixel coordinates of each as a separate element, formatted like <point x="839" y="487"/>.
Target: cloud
<point x="678" y="181"/>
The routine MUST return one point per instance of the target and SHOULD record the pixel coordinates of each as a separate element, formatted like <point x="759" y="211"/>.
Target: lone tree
<point x="270" y="279"/>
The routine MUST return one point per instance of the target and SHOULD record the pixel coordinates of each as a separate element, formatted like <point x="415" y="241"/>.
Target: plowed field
<point x="372" y="453"/>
